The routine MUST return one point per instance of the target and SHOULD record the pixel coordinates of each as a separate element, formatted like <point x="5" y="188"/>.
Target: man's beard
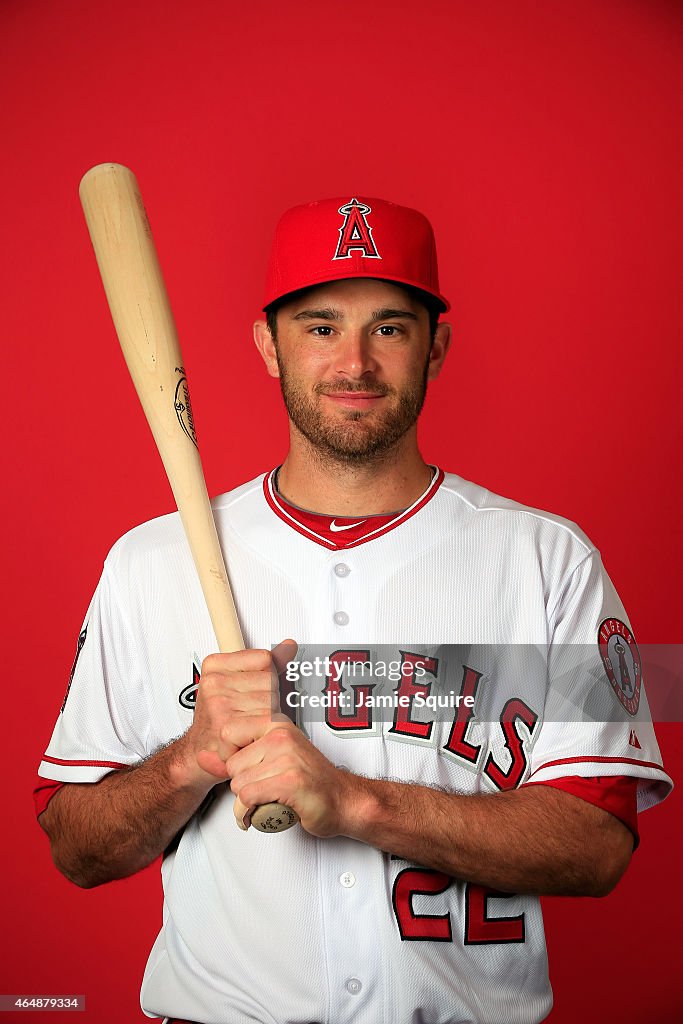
<point x="357" y="438"/>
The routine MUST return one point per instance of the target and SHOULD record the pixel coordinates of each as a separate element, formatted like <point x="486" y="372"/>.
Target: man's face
<point x="353" y="359"/>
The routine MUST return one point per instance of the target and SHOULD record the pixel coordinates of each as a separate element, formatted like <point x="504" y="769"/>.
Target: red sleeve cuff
<point x="617" y="794"/>
<point x="44" y="792"/>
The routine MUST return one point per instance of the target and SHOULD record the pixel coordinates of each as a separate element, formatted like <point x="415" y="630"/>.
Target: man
<point x="409" y="892"/>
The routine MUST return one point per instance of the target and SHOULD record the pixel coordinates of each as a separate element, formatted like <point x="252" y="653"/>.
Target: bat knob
<point x="273" y="818"/>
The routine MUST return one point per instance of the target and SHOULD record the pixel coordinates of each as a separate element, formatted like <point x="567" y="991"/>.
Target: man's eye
<point x="322" y="331"/>
<point x="388" y="330"/>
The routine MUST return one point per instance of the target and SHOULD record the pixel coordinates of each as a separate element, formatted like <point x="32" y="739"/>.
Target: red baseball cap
<point x="335" y="239"/>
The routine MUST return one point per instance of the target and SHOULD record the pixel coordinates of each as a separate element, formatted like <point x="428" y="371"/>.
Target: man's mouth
<point x="354" y="399"/>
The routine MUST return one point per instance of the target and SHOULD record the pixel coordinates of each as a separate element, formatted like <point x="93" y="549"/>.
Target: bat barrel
<point x="142" y="315"/>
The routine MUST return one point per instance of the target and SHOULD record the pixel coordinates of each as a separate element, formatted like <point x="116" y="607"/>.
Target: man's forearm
<point x="530" y="840"/>
<point x="113" y="828"/>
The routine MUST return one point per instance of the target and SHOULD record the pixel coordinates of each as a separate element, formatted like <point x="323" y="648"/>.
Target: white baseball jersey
<point x="478" y="596"/>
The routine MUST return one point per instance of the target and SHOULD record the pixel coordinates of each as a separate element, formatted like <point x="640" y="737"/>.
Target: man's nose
<point x="354" y="356"/>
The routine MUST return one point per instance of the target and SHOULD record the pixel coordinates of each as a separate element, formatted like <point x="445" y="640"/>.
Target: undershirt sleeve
<point x="617" y="794"/>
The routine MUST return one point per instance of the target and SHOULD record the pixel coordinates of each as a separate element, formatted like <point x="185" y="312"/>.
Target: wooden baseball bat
<point x="139" y="305"/>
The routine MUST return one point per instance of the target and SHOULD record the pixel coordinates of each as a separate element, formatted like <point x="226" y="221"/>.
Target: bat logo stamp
<point x="183" y="406"/>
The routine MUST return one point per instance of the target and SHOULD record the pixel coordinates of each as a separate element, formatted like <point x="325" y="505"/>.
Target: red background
<point x="544" y="142"/>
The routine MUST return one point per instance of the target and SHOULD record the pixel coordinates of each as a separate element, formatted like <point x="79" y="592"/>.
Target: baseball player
<point x="461" y="724"/>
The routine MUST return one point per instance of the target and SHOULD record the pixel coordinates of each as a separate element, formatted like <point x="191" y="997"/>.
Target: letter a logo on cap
<point x="355" y="233"/>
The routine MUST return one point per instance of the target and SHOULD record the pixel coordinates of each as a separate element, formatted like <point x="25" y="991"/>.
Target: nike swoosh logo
<point x="349" y="526"/>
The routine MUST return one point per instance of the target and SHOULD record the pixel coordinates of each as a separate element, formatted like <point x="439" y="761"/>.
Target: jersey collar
<point x="337" y="533"/>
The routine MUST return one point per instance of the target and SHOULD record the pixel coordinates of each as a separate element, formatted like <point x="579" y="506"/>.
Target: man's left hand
<point x="284" y="767"/>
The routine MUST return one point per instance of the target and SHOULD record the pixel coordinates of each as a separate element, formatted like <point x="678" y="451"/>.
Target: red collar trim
<point x="316" y="527"/>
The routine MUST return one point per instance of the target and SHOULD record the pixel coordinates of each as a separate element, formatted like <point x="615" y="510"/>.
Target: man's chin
<point x="353" y="446"/>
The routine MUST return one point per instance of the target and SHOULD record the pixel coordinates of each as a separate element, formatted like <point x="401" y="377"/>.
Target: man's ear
<point x="440" y="347"/>
<point x="263" y="340"/>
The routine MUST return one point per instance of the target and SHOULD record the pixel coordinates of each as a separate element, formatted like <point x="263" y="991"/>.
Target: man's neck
<point x="317" y="482"/>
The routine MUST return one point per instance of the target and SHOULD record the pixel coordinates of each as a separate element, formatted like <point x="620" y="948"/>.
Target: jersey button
<point x="348" y="879"/>
<point x="341" y="618"/>
<point x="341" y="569"/>
<point x="354" y="986"/>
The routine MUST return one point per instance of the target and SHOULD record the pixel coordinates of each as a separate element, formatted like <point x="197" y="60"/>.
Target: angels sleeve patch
<point x="621" y="658"/>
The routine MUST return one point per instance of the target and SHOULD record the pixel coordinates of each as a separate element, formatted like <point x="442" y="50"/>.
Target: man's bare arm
<point x="110" y="829"/>
<point x="534" y="839"/>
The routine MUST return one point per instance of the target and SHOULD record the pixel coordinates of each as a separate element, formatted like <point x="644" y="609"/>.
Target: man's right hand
<point x="237" y="702"/>
<point x="114" y="827"/>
